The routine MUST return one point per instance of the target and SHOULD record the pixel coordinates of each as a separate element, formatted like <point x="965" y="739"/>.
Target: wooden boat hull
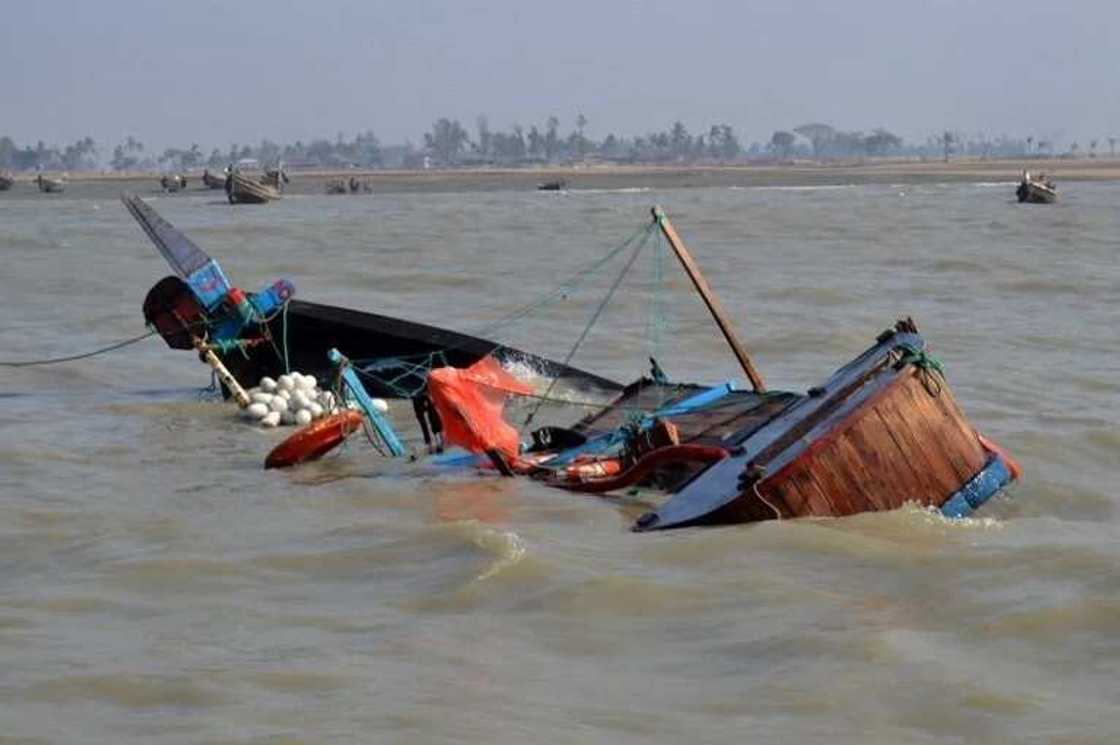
<point x="213" y="182"/>
<point x="50" y="185"/>
<point x="1033" y="192"/>
<point x="398" y="348"/>
<point x="885" y="430"/>
<point x="243" y="190"/>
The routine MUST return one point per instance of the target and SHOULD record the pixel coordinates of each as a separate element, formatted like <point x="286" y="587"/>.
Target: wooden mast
<point x="701" y="284"/>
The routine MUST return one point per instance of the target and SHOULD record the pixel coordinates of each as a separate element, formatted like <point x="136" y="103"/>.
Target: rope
<point x="284" y="320"/>
<point x="73" y="357"/>
<point x="594" y="317"/>
<point x="927" y="365"/>
<point x="568" y="284"/>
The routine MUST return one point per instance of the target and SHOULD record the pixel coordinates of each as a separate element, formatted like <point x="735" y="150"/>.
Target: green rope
<point x="567" y="285"/>
<point x="912" y="355"/>
<point x="927" y="366"/>
<point x="594" y="318"/>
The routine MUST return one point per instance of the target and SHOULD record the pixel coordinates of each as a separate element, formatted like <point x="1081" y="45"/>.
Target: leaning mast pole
<point x="705" y="290"/>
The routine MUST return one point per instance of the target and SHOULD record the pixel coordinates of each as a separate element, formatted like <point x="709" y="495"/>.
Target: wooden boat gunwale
<point x="243" y="189"/>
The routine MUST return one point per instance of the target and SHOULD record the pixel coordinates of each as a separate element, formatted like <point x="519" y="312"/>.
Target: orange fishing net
<point x="470" y="403"/>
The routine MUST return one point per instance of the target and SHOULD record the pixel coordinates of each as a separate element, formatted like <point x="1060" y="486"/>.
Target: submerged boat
<point x="244" y="189"/>
<point x="269" y="332"/>
<point x="1036" y="189"/>
<point x="882" y="431"/>
<point x="6" y="180"/>
<point x="50" y="185"/>
<point x="213" y="182"/>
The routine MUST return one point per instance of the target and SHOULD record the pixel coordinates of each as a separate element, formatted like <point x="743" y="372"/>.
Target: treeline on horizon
<point x="448" y="144"/>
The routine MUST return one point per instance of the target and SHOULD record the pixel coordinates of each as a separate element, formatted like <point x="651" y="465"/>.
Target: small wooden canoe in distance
<point x="50" y="185"/>
<point x="1036" y="190"/>
<point x="242" y="189"/>
<point x="213" y="182"/>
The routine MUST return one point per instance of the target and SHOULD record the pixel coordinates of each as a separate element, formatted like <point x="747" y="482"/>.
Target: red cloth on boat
<point x="470" y="403"/>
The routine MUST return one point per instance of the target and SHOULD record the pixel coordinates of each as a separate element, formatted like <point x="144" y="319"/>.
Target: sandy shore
<point x="645" y="176"/>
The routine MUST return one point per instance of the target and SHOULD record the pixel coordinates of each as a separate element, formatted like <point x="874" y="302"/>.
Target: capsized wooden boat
<point x="882" y="431"/>
<point x="273" y="332"/>
<point x="244" y="189"/>
<point x="6" y="180"/>
<point x="1036" y="189"/>
<point x="51" y="185"/>
<point x="212" y="181"/>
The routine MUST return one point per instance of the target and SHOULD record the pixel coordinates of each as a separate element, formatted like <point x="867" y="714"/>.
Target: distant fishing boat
<point x="172" y="183"/>
<point x="213" y="182"/>
<point x="351" y="186"/>
<point x="243" y="189"/>
<point x="6" y="180"/>
<point x="50" y="185"/>
<point x="554" y="185"/>
<point x="1036" y="189"/>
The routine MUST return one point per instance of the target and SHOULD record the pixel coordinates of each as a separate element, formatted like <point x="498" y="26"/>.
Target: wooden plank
<point x="831" y="469"/>
<point x="927" y="483"/>
<point x="794" y="492"/>
<point x="890" y="471"/>
<point x="943" y="442"/>
<point x="973" y="452"/>
<point x="938" y="477"/>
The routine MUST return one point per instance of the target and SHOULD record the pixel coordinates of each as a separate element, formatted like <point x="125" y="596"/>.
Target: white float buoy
<point x="271" y="419"/>
<point x="381" y="405"/>
<point x="257" y="410"/>
<point x="316" y="410"/>
<point x="268" y="385"/>
<point x="261" y="398"/>
<point x="298" y="400"/>
<point x="285" y="383"/>
<point x="279" y="403"/>
<point x="303" y="416"/>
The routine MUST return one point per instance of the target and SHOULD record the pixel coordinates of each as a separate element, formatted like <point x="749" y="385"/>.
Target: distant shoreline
<point x="667" y="176"/>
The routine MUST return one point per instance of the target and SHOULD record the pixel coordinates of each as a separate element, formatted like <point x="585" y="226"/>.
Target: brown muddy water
<point x="157" y="586"/>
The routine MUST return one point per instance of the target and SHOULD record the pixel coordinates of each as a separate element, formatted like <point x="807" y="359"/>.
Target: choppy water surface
<point x="157" y="586"/>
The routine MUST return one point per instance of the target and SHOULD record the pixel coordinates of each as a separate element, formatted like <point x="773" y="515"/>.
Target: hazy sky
<point x="215" y="73"/>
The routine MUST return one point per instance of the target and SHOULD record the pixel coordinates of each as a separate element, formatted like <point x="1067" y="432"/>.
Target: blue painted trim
<point x="209" y="284"/>
<point x="603" y="443"/>
<point x="703" y="398"/>
<point x="270" y="299"/>
<point x="456" y="459"/>
<point x="373" y="416"/>
<point x="992" y="477"/>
